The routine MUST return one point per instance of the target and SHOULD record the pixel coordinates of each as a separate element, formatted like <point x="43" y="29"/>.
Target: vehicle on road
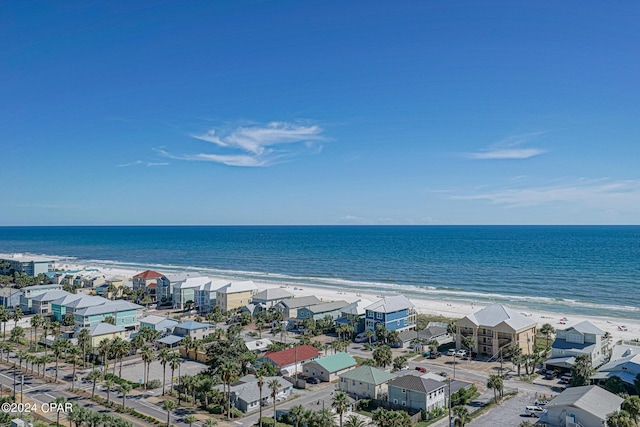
<point x="421" y="369"/>
<point x="533" y="411"/>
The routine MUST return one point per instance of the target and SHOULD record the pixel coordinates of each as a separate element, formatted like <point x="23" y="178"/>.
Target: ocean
<point x="592" y="270"/>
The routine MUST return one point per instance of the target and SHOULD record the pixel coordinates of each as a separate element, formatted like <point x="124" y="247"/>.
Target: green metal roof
<point x="369" y="375"/>
<point x="336" y="362"/>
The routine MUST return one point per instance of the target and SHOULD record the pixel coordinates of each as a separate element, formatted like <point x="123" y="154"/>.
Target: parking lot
<point x="509" y="413"/>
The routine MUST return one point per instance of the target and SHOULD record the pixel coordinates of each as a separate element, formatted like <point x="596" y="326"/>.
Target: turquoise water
<point x="581" y="269"/>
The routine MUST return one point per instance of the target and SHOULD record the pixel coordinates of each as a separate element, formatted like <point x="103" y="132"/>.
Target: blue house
<point x="10" y="297"/>
<point x="195" y="330"/>
<point x="125" y="314"/>
<point x="396" y="313"/>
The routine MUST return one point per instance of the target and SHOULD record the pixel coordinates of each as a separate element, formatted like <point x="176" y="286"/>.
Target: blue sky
<point x="319" y="112"/>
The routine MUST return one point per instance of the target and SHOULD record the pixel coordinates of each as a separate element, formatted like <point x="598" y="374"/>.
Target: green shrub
<point x="154" y="384"/>
<point x="236" y="413"/>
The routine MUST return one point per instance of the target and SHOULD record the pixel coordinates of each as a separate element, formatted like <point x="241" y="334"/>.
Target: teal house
<point x="69" y="304"/>
<point x="319" y="311"/>
<point x="124" y="313"/>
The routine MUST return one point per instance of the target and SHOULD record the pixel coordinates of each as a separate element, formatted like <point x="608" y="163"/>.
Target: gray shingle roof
<point x="300" y="302"/>
<point x="110" y="307"/>
<point x="104" y="328"/>
<point x="592" y="399"/>
<point x="414" y="383"/>
<point x="272" y="294"/>
<point x="368" y="375"/>
<point x="327" y="306"/>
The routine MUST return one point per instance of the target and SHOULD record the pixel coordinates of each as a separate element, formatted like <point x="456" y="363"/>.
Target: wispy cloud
<point x="257" y="145"/>
<point x="592" y="193"/>
<point x="510" y="148"/>
<point x="141" y="163"/>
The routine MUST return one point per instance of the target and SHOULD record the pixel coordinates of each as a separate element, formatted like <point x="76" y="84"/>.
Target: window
<point x="379" y="315"/>
<point x="395" y="401"/>
<point x="404" y="403"/>
<point x="404" y="390"/>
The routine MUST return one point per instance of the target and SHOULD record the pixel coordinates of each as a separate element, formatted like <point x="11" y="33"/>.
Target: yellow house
<point x="105" y="330"/>
<point x="235" y="295"/>
<point x="494" y="329"/>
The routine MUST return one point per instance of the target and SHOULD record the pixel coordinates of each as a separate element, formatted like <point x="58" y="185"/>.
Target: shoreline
<point x="423" y="304"/>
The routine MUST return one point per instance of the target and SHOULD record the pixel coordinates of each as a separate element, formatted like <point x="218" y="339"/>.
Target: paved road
<point x="508" y="414"/>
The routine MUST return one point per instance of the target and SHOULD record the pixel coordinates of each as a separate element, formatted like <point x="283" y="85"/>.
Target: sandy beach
<point x="452" y="309"/>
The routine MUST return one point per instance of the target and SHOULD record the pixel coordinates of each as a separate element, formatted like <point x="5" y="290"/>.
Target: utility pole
<point x="14" y="381"/>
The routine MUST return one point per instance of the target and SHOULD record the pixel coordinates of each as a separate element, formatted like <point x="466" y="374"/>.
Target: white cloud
<point x="509" y="148"/>
<point x="599" y="194"/>
<point x="140" y="162"/>
<point x="253" y="146"/>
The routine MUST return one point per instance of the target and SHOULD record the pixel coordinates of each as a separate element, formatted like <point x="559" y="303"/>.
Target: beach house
<point x="290" y="360"/>
<point x="245" y="392"/>
<point x="68" y="304"/>
<point x="158" y="323"/>
<point x="235" y="295"/>
<point x="395" y="313"/>
<point x="495" y="328"/>
<point x="354" y="314"/>
<point x="417" y="392"/>
<point x="586" y="406"/>
<point x="328" y="368"/>
<point x="148" y="282"/>
<point x="185" y="290"/>
<point x="289" y="307"/>
<point x="365" y="382"/>
<point x="41" y="303"/>
<point x="165" y="284"/>
<point x="10" y="297"/>
<point x="30" y="292"/>
<point x="25" y="264"/>
<point x="101" y="331"/>
<point x="205" y="295"/>
<point x="270" y="297"/>
<point x="624" y="364"/>
<point x="583" y="338"/>
<point x="124" y="313"/>
<point x="195" y="330"/>
<point x="322" y="310"/>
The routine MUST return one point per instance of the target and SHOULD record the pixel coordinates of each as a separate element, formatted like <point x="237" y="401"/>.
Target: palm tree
<point x="59" y="401"/>
<point x="227" y="374"/>
<point x="340" y="404"/>
<point x="369" y="334"/>
<point x="36" y="322"/>
<point x="16" y="316"/>
<point x="297" y="413"/>
<point x="124" y="388"/>
<point x="163" y="357"/>
<point x="43" y="361"/>
<point x="174" y="363"/>
<point x="46" y="325"/>
<point x="495" y="383"/>
<point x="147" y="357"/>
<point x="190" y="419"/>
<point x="104" y="347"/>
<point x="4" y="318"/>
<point x="123" y="349"/>
<point x="117" y="351"/>
<point x="22" y="355"/>
<point x="210" y="422"/>
<point x="620" y="419"/>
<point x="274" y="386"/>
<point x="547" y="330"/>
<point x="355" y="421"/>
<point x="582" y="370"/>
<point x="169" y="405"/>
<point x="631" y="405"/>
<point x="108" y="383"/>
<point x="260" y="385"/>
<point x="469" y="343"/>
<point x="84" y="340"/>
<point x="17" y="334"/>
<point x="462" y="415"/>
<point x="94" y="376"/>
<point x="59" y="347"/>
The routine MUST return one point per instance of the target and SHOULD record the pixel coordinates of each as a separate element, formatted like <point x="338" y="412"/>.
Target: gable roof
<point x="591" y="398"/>
<point x="327" y="306"/>
<point x="7" y="292"/>
<point x="272" y="294"/>
<point x="50" y="295"/>
<point x="300" y="302"/>
<point x="336" y="362"/>
<point x="246" y="388"/>
<point x="368" y="375"/>
<point x="357" y="308"/>
<point x="416" y="383"/>
<point x="290" y="355"/>
<point x="191" y="282"/>
<point x="148" y="274"/>
<point x="391" y="304"/>
<point x="586" y="327"/>
<point x="235" y="287"/>
<point x="193" y="325"/>
<point x="495" y="314"/>
<point x="104" y="328"/>
<point x="109" y="307"/>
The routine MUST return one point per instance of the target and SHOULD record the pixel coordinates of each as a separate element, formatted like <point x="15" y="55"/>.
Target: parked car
<point x="541" y="403"/>
<point x="451" y="352"/>
<point x="565" y="379"/>
<point x="313" y="380"/>
<point x="461" y="353"/>
<point x="421" y="369"/>
<point x="533" y="411"/>
<point x="434" y="355"/>
<point x="549" y="375"/>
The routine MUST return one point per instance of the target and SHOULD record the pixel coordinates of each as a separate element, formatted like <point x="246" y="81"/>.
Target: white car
<point x="533" y="411"/>
<point x="461" y="353"/>
<point x="451" y="352"/>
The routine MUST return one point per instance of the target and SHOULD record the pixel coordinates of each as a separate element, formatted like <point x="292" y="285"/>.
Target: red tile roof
<point x="149" y="274"/>
<point x="291" y="355"/>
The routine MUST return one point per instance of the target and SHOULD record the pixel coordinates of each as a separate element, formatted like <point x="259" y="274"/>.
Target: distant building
<point x="29" y="292"/>
<point x="235" y="295"/>
<point x="205" y="296"/>
<point x="320" y="311"/>
<point x="42" y="303"/>
<point x="495" y="328"/>
<point x="624" y="364"/>
<point x="10" y="297"/>
<point x="354" y="314"/>
<point x="328" y="368"/>
<point x="124" y="313"/>
<point x="583" y="338"/>
<point x="365" y="382"/>
<point x="185" y="290"/>
<point x="270" y="297"/>
<point x="289" y="307"/>
<point x="25" y="264"/>
<point x="245" y="392"/>
<point x="158" y="323"/>
<point x="148" y="282"/>
<point x="101" y="331"/>
<point x="70" y="303"/>
<point x="395" y="313"/>
<point x="195" y="330"/>
<point x="258" y="346"/>
<point x="166" y="282"/>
